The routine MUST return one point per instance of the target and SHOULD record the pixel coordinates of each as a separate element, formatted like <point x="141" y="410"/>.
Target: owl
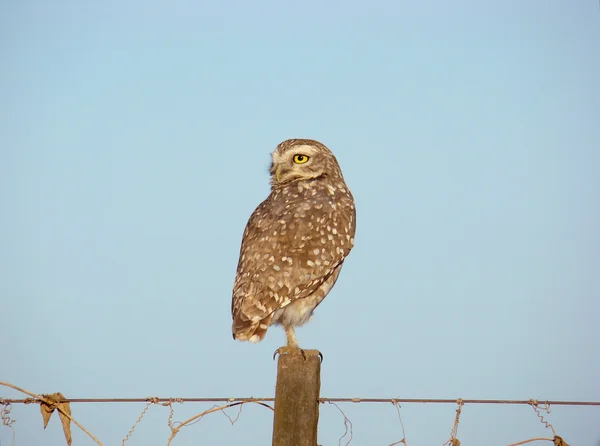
<point x="294" y="244"/>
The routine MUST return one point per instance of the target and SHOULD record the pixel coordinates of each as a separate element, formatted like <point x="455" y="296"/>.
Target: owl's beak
<point x="278" y="172"/>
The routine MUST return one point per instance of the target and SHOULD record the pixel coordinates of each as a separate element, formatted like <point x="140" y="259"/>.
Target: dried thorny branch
<point x="195" y="418"/>
<point x="130" y="433"/>
<point x="453" y="441"/>
<point x="557" y="440"/>
<point x="546" y="408"/>
<point x="397" y="405"/>
<point x="6" y="420"/>
<point x="347" y="426"/>
<point x="61" y="409"/>
<point x="171" y="410"/>
<point x="233" y="420"/>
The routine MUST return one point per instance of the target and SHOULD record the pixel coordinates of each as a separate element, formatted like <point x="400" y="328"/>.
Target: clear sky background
<point x="134" y="145"/>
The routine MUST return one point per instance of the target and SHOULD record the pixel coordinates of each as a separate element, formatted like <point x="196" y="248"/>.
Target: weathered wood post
<point x="296" y="398"/>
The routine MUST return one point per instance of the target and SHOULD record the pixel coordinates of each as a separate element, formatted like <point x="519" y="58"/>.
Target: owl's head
<point x="302" y="159"/>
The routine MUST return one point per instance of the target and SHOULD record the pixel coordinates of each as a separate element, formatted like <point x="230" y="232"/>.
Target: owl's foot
<point x="287" y="350"/>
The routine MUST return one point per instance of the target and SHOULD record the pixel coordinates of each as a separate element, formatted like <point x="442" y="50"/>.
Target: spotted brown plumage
<point x="295" y="242"/>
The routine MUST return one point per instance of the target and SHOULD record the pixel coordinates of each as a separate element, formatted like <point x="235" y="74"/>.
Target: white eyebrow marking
<point x="308" y="149"/>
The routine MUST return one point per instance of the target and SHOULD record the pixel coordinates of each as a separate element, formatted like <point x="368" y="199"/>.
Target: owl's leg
<point x="292" y="342"/>
<point x="292" y="346"/>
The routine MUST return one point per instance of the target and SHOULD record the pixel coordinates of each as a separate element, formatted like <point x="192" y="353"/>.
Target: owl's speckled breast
<point x="295" y="242"/>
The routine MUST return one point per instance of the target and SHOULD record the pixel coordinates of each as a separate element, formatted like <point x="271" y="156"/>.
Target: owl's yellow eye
<point x="301" y="159"/>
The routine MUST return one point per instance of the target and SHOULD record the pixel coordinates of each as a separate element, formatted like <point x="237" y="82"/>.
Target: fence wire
<point x="58" y="403"/>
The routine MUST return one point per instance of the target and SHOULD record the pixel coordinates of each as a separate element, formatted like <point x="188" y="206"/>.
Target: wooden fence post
<point x="296" y="398"/>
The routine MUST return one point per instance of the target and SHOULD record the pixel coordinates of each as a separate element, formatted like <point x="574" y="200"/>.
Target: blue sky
<point x="134" y="145"/>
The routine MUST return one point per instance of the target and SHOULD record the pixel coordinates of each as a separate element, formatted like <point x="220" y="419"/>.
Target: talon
<point x="321" y="357"/>
<point x="303" y="354"/>
<point x="281" y="351"/>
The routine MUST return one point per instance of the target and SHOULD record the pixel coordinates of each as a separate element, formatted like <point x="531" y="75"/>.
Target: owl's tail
<point x="247" y="330"/>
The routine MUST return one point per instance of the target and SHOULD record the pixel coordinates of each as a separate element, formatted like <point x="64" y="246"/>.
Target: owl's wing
<point x="288" y="251"/>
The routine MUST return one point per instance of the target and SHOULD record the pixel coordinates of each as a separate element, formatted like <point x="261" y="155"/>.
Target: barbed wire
<point x="321" y="400"/>
<point x="58" y="402"/>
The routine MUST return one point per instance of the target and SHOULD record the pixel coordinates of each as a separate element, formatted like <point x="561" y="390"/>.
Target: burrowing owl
<point x="295" y="242"/>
